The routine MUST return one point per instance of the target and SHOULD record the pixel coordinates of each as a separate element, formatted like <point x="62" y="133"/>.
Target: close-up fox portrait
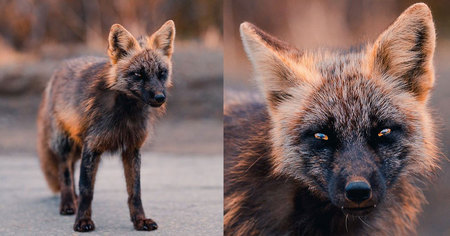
<point x="96" y="105"/>
<point x="341" y="140"/>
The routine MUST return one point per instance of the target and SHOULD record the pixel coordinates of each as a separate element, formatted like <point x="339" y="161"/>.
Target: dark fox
<point x="341" y="140"/>
<point x="96" y="105"/>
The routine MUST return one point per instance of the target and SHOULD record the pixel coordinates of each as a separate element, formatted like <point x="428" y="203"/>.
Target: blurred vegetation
<point x="26" y="24"/>
<point x="315" y="24"/>
<point x="356" y="15"/>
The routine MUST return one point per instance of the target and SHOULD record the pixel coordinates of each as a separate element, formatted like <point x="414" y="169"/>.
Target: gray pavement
<point x="183" y="194"/>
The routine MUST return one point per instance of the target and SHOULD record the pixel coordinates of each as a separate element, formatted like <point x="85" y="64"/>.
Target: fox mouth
<point x="154" y="104"/>
<point x="358" y="211"/>
<point x="150" y="102"/>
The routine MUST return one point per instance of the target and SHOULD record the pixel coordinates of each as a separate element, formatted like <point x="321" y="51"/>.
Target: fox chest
<point x="117" y="130"/>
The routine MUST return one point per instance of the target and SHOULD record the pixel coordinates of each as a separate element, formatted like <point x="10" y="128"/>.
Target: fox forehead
<point x="148" y="60"/>
<point x="145" y="61"/>
<point x="346" y="92"/>
<point x="329" y="64"/>
<point x="346" y="64"/>
<point x="350" y="105"/>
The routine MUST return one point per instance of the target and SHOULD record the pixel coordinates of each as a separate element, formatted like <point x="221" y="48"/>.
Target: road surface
<point x="183" y="194"/>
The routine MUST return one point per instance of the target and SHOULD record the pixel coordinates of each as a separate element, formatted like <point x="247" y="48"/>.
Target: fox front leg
<point x="88" y="169"/>
<point x="132" y="166"/>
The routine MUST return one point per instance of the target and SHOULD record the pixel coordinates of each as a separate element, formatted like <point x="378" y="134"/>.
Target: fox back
<point x="341" y="139"/>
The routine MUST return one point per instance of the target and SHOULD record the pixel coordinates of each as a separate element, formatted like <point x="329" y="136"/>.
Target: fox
<point x="339" y="141"/>
<point x="93" y="105"/>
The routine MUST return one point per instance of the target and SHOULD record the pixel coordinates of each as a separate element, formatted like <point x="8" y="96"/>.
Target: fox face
<point x="142" y="69"/>
<point x="351" y="125"/>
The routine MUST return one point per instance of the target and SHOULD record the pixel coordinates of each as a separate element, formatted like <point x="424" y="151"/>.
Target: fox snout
<point x="357" y="196"/>
<point x="358" y="191"/>
<point x="155" y="99"/>
<point x="160" y="98"/>
<point x="358" y="186"/>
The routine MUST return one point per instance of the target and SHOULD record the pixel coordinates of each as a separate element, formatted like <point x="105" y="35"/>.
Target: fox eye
<point x="137" y="74"/>
<point x="162" y="74"/>
<point x="320" y="136"/>
<point x="384" y="132"/>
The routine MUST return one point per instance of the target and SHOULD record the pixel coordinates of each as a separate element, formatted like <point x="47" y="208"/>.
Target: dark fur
<point x="270" y="205"/>
<point x="95" y="105"/>
<point x="281" y="180"/>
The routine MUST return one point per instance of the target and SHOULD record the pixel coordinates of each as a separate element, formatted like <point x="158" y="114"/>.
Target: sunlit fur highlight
<point x="264" y="168"/>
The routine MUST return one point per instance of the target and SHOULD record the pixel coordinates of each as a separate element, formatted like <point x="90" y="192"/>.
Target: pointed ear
<point x="121" y="43"/>
<point x="274" y="62"/>
<point x="403" y="54"/>
<point x="163" y="39"/>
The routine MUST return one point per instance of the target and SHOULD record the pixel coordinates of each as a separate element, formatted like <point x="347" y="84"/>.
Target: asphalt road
<point x="183" y="194"/>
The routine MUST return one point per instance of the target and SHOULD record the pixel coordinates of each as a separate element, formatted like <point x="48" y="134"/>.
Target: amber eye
<point x="321" y="136"/>
<point x="384" y="132"/>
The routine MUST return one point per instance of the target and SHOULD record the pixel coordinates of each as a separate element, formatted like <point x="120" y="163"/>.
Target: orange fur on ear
<point x="276" y="64"/>
<point x="403" y="54"/>
<point x="121" y="43"/>
<point x="163" y="39"/>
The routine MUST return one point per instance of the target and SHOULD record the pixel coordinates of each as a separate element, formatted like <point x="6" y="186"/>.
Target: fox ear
<point x="403" y="54"/>
<point x="121" y="43"/>
<point x="273" y="63"/>
<point x="163" y="39"/>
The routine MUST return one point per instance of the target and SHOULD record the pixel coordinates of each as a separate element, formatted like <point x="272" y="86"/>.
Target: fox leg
<point x="68" y="197"/>
<point x="76" y="156"/>
<point x="132" y="166"/>
<point x="63" y="146"/>
<point x="88" y="170"/>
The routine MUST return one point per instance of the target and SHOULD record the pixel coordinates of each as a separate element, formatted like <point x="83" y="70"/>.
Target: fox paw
<point x="145" y="225"/>
<point x="67" y="209"/>
<point x="84" y="225"/>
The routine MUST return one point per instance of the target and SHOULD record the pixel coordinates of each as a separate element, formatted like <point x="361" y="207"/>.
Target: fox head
<point x="142" y="69"/>
<point x="354" y="127"/>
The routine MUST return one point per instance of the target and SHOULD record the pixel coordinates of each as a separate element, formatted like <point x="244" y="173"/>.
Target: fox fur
<point x="280" y="179"/>
<point x="96" y="105"/>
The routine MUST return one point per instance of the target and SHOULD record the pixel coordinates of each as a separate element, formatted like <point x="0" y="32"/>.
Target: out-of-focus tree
<point x="316" y="24"/>
<point x="26" y="24"/>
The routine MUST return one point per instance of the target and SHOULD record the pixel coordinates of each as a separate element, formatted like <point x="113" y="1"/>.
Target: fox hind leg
<point x="66" y="151"/>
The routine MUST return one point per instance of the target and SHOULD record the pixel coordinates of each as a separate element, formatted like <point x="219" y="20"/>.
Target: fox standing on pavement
<point x="94" y="105"/>
<point x="341" y="140"/>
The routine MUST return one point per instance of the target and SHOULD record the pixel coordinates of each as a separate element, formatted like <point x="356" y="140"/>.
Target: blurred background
<point x="35" y="36"/>
<point x="342" y="24"/>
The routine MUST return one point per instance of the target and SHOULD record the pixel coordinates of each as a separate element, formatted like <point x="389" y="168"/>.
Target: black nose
<point x="160" y="98"/>
<point x="358" y="191"/>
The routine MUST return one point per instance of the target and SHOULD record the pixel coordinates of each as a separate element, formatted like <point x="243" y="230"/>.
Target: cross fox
<point x="340" y="140"/>
<point x="95" y="105"/>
